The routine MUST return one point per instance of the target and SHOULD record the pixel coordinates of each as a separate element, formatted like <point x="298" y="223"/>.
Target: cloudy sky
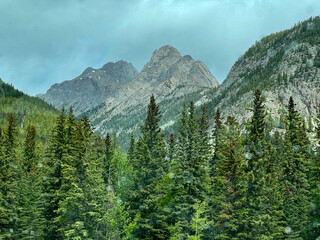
<point x="44" y="41"/>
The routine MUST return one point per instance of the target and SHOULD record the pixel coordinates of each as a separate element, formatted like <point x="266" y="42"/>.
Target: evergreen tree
<point x="108" y="160"/>
<point x="216" y="134"/>
<point x="171" y="148"/>
<point x="31" y="218"/>
<point x="149" y="167"/>
<point x="205" y="148"/>
<point x="257" y="125"/>
<point x="295" y="180"/>
<point x="56" y="155"/>
<point x="9" y="181"/>
<point x="315" y="185"/>
<point x="191" y="174"/>
<point x="131" y="147"/>
<point x="228" y="189"/>
<point x="264" y="193"/>
<point x="30" y="148"/>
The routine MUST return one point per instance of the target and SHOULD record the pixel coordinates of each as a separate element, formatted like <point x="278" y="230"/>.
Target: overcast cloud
<point x="43" y="41"/>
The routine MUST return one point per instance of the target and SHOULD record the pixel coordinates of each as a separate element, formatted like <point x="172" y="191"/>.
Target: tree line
<point x="233" y="183"/>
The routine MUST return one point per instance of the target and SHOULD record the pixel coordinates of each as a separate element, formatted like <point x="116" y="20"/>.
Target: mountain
<point x="283" y="64"/>
<point x="26" y="110"/>
<point x="115" y="97"/>
<point x="92" y="87"/>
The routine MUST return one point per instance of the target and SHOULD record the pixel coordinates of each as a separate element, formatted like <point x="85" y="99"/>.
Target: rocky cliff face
<point x="92" y="87"/>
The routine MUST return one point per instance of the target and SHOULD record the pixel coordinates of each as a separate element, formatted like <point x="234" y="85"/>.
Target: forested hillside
<point x="26" y="110"/>
<point x="242" y="183"/>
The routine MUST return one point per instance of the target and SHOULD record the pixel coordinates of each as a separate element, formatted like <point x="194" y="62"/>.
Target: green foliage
<point x="71" y="184"/>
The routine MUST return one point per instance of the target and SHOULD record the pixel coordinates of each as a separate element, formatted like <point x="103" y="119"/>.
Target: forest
<point x="238" y="181"/>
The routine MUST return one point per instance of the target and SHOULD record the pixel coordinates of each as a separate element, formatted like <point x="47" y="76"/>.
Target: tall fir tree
<point x="171" y="148"/>
<point x="263" y="197"/>
<point x="295" y="176"/>
<point x="216" y="135"/>
<point x="228" y="187"/>
<point x="9" y="182"/>
<point x="191" y="179"/>
<point x="32" y="202"/>
<point x="315" y="183"/>
<point x="56" y="155"/>
<point x="149" y="167"/>
<point x="131" y="147"/>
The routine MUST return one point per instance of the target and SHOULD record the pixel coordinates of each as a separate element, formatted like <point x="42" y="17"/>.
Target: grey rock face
<point x="92" y="87"/>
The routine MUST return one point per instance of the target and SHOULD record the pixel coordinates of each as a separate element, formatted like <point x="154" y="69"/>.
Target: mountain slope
<point x="283" y="64"/>
<point x="92" y="87"/>
<point x="26" y="110"/>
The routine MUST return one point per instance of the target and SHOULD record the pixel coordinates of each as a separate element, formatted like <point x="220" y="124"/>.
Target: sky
<point x="43" y="42"/>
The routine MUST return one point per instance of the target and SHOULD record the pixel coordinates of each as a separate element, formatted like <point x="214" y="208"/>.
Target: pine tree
<point x="171" y="148"/>
<point x="257" y="125"/>
<point x="263" y="191"/>
<point x="30" y="148"/>
<point x="296" y="184"/>
<point x="154" y="139"/>
<point x="191" y="179"/>
<point x="131" y="147"/>
<point x="57" y="152"/>
<point x="205" y="148"/>
<point x="108" y="160"/>
<point x="70" y="194"/>
<point x="31" y="218"/>
<point x="216" y="134"/>
<point x="9" y="181"/>
<point x="228" y="188"/>
<point x="149" y="167"/>
<point x="199" y="220"/>
<point x="315" y="185"/>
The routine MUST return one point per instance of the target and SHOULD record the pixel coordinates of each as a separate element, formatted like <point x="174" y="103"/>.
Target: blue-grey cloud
<point x="43" y="42"/>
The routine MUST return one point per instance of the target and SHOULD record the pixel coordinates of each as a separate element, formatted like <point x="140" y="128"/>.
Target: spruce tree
<point x="315" y="184"/>
<point x="9" y="181"/>
<point x="109" y="151"/>
<point x="263" y="201"/>
<point x="149" y="167"/>
<point x="205" y="148"/>
<point x="228" y="191"/>
<point x="131" y="147"/>
<point x="171" y="148"/>
<point x="31" y="218"/>
<point x="216" y="135"/>
<point x="295" y="176"/>
<point x="191" y="179"/>
<point x="56" y="154"/>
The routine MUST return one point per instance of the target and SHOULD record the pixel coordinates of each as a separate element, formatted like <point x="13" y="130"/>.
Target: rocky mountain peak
<point x="164" y="52"/>
<point x="120" y="69"/>
<point x="88" y="70"/>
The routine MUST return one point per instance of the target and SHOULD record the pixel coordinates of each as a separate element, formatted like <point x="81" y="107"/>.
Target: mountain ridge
<point x="282" y="64"/>
<point x="167" y="75"/>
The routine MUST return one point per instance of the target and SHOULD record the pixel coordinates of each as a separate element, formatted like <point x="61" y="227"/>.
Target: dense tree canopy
<point x="231" y="182"/>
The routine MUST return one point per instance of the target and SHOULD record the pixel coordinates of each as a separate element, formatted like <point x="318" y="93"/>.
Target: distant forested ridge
<point x="238" y="181"/>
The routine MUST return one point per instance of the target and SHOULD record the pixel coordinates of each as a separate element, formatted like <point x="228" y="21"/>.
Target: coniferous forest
<point x="236" y="181"/>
